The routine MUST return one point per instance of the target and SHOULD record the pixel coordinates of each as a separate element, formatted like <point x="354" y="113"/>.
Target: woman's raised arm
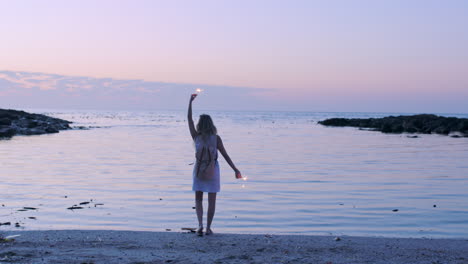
<point x="193" y="132"/>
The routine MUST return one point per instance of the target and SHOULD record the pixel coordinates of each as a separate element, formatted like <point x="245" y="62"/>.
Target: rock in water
<point x="7" y="132"/>
<point x="74" y="207"/>
<point x="424" y="123"/>
<point x="13" y="122"/>
<point x="5" y="121"/>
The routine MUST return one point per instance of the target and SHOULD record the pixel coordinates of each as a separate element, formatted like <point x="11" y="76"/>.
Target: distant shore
<point x="424" y="123"/>
<point x="79" y="246"/>
<point x="15" y="122"/>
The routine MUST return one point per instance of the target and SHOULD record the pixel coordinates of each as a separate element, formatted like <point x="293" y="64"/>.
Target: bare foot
<point x="208" y="231"/>
<point x="200" y="231"/>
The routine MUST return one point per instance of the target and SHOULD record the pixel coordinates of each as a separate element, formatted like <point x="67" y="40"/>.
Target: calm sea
<point x="134" y="169"/>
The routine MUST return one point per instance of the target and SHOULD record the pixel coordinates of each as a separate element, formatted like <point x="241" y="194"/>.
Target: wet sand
<point x="178" y="247"/>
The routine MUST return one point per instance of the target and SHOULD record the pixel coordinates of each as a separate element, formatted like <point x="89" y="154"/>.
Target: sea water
<point x="133" y="171"/>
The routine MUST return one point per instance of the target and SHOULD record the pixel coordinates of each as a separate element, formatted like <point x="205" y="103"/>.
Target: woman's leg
<point x="211" y="211"/>
<point x="199" y="208"/>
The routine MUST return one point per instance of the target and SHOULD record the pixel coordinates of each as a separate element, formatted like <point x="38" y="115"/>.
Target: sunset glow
<point x="297" y="55"/>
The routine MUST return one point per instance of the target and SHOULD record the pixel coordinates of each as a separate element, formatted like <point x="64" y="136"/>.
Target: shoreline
<point x="105" y="246"/>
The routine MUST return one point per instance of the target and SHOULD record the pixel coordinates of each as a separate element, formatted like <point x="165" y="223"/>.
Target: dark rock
<point x="32" y="124"/>
<point x="5" y="121"/>
<point x="386" y="128"/>
<point x="13" y="122"/>
<point x="51" y="130"/>
<point x="33" y="131"/>
<point x="7" y="132"/>
<point x="74" y="207"/>
<point x="335" y="122"/>
<point x="424" y="123"/>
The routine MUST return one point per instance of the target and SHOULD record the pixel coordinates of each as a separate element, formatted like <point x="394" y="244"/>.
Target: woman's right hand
<point x="192" y="97"/>
<point x="238" y="174"/>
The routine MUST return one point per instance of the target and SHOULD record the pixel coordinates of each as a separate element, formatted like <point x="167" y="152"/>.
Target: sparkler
<point x="243" y="185"/>
<point x="197" y="92"/>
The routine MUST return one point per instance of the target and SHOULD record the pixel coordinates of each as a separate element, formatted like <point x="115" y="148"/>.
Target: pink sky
<point x="317" y="55"/>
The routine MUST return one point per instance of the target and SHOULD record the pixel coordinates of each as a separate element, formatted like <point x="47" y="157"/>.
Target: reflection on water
<point x="302" y="178"/>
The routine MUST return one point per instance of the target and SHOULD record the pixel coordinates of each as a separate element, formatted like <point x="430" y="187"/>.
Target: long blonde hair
<point x="206" y="126"/>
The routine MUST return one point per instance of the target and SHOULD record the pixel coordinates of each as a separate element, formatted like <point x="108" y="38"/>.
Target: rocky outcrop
<point x="13" y="122"/>
<point x="424" y="123"/>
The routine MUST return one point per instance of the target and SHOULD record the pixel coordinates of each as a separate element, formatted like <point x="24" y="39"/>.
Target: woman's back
<point x="206" y="147"/>
<point x="206" y="169"/>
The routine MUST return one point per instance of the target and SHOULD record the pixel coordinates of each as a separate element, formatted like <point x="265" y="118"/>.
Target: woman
<point x="206" y="169"/>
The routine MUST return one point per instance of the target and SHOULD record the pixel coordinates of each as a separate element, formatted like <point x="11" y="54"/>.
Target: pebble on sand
<point x="191" y="229"/>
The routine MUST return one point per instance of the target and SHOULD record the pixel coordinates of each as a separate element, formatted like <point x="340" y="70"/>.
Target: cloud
<point x="41" y="90"/>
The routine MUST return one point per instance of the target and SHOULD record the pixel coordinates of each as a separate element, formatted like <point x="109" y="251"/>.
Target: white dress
<point x="213" y="184"/>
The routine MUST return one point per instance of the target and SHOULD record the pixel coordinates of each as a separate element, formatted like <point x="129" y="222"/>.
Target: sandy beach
<point x="179" y="247"/>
